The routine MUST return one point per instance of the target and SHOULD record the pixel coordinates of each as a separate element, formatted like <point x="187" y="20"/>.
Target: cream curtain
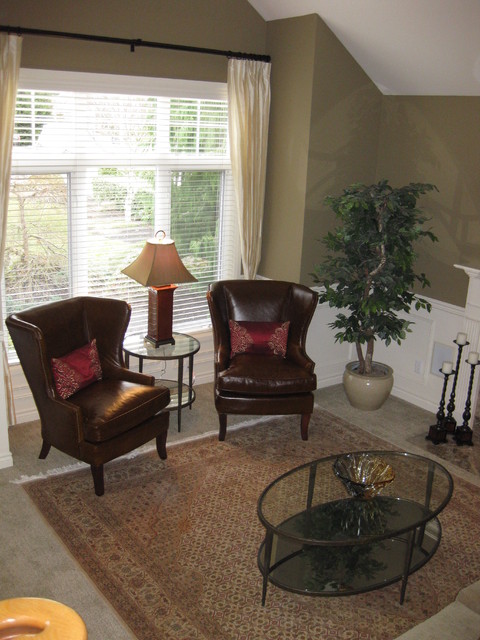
<point x="249" y="109"/>
<point x="10" y="53"/>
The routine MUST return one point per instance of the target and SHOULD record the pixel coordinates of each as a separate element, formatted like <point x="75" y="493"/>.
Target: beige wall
<point x="232" y="25"/>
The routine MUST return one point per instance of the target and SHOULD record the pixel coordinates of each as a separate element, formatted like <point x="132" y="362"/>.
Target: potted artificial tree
<point x="369" y="275"/>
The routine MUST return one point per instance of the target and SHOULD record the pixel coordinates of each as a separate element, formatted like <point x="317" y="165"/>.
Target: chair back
<point x="55" y="329"/>
<point x="260" y="301"/>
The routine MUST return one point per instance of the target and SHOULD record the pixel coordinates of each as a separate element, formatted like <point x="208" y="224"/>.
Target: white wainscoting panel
<point x="413" y="380"/>
<point x="411" y="361"/>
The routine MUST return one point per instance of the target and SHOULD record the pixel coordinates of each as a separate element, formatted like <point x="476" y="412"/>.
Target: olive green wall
<point x="344" y="130"/>
<point x="291" y="43"/>
<point x="232" y="25"/>
<point x="329" y="124"/>
<point x="325" y="116"/>
<point x="437" y="139"/>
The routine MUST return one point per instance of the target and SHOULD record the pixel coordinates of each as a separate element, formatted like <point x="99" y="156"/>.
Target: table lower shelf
<point x="345" y="570"/>
<point x="188" y="395"/>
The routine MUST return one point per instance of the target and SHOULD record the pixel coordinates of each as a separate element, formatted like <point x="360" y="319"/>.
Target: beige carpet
<point x="466" y="457"/>
<point x="173" y="545"/>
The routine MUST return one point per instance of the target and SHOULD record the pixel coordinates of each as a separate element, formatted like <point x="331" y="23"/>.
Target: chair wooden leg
<point x="304" y="425"/>
<point x="222" y="417"/>
<point x="161" y="440"/>
<point x="45" y="450"/>
<point x="98" y="483"/>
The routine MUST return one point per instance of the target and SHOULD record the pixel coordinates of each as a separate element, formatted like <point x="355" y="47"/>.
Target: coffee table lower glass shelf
<point x="320" y="543"/>
<point x="350" y="569"/>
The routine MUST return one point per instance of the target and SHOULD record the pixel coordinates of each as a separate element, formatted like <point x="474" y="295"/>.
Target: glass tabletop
<point x="312" y="505"/>
<point x="185" y="345"/>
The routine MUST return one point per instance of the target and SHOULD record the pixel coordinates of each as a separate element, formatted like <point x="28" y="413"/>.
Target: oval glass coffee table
<point x="321" y="541"/>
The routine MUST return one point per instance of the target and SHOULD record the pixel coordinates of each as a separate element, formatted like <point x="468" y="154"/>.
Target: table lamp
<point x="157" y="267"/>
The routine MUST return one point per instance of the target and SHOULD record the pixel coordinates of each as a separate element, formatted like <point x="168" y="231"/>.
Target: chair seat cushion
<point x="112" y="407"/>
<point x="252" y="374"/>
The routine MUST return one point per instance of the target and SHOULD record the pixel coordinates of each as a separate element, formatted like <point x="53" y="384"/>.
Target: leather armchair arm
<point x="112" y="370"/>
<point x="223" y="357"/>
<point x="221" y="336"/>
<point x="296" y="354"/>
<point x="62" y="424"/>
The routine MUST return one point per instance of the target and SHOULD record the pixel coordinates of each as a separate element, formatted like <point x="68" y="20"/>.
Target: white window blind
<point x="95" y="173"/>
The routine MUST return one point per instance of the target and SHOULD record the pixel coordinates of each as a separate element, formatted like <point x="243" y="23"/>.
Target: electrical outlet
<point x="419" y="367"/>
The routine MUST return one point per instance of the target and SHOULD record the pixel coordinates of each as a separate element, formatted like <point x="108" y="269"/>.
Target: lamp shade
<point x="158" y="264"/>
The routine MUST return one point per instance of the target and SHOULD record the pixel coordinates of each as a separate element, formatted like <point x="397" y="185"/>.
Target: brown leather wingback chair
<point x="111" y="416"/>
<point x="257" y="384"/>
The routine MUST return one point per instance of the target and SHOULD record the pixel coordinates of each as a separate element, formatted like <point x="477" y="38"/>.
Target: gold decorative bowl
<point x="363" y="474"/>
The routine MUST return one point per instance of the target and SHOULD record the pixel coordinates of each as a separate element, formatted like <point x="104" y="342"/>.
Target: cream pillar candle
<point x="472" y="357"/>
<point x="447" y="367"/>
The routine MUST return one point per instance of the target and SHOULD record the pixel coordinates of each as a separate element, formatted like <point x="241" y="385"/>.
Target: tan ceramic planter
<point x="367" y="392"/>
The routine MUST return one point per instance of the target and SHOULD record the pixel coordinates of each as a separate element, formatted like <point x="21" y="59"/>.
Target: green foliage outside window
<point x="36" y="254"/>
<point x="195" y="219"/>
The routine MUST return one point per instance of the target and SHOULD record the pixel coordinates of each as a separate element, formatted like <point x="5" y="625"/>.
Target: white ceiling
<point x="407" y="47"/>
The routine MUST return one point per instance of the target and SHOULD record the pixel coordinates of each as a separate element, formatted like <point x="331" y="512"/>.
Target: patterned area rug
<point x="173" y="545"/>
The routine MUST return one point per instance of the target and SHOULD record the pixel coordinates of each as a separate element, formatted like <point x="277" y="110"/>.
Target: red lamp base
<point x="158" y="343"/>
<point x="160" y="315"/>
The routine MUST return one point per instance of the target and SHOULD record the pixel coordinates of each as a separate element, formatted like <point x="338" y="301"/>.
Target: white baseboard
<point x="6" y="460"/>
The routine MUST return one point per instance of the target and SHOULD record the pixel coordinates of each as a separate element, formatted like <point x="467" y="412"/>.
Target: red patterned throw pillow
<point x="76" y="370"/>
<point x="268" y="338"/>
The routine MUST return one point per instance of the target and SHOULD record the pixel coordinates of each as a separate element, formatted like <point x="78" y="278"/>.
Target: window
<point x="99" y="165"/>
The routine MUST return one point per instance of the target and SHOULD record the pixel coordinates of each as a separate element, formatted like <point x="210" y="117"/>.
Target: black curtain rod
<point x="19" y="31"/>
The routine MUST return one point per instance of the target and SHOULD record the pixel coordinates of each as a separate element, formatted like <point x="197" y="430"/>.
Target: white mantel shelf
<point x="472" y="306"/>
